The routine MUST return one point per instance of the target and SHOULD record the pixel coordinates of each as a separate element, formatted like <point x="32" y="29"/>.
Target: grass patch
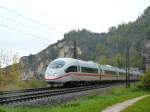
<point x="140" y="106"/>
<point x="93" y="103"/>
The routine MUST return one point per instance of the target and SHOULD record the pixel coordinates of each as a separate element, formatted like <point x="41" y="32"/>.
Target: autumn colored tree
<point x="118" y="60"/>
<point x="104" y="60"/>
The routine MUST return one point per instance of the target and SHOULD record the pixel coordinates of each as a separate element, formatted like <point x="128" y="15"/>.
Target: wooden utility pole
<point x="75" y="50"/>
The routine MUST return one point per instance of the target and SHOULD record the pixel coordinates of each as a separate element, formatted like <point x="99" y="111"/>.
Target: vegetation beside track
<point x="93" y="103"/>
<point x="10" y="76"/>
<point x="140" y="106"/>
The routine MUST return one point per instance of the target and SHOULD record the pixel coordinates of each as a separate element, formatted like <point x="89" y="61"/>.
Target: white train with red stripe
<point x="63" y="70"/>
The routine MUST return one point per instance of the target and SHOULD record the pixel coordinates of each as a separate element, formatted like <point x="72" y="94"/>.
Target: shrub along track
<point x="11" y="97"/>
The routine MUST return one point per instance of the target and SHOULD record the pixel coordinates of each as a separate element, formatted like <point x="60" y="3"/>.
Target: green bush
<point x="28" y="84"/>
<point x="146" y="80"/>
<point x="33" y="83"/>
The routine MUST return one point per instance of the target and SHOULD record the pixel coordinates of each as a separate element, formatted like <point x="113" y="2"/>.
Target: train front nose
<point x="51" y="74"/>
<point x="54" y="70"/>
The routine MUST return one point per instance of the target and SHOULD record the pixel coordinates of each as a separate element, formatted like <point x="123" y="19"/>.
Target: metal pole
<point x="128" y="65"/>
<point x="126" y="70"/>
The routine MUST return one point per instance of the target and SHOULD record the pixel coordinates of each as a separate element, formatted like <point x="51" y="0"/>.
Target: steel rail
<point x="13" y="98"/>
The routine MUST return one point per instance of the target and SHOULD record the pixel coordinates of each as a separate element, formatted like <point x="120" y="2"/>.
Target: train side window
<point x="110" y="72"/>
<point x="89" y="70"/>
<point x="71" y="69"/>
<point x="120" y="73"/>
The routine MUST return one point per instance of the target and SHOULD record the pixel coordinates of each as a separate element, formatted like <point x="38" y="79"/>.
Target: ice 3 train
<point x="69" y="70"/>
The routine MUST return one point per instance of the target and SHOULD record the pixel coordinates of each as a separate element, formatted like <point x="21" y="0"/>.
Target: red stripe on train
<point x="73" y="74"/>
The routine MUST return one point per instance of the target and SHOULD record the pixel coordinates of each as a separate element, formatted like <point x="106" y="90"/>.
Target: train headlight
<point x="55" y="74"/>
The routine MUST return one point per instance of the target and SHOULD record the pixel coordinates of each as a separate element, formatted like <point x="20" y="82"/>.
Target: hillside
<point x="106" y="48"/>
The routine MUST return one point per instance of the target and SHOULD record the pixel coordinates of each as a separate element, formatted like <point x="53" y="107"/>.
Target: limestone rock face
<point x="35" y="65"/>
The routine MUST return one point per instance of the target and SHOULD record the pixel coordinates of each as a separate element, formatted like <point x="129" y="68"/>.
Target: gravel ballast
<point x="63" y="98"/>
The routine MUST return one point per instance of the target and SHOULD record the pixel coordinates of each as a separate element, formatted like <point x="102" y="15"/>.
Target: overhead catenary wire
<point x="30" y="34"/>
<point x="30" y="19"/>
<point x="43" y="14"/>
<point x="23" y="24"/>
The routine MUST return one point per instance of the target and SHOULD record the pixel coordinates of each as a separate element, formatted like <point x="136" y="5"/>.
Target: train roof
<point x="109" y="67"/>
<point x="90" y="64"/>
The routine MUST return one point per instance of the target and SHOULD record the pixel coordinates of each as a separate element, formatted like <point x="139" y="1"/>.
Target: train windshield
<point x="57" y="64"/>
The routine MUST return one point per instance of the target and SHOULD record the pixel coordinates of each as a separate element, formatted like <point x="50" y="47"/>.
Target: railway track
<point x="10" y="97"/>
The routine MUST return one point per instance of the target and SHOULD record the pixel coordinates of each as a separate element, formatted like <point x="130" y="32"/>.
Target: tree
<point x="146" y="80"/>
<point x="112" y="29"/>
<point x="118" y="60"/>
<point x="15" y="69"/>
<point x="100" y="50"/>
<point x="1" y="75"/>
<point x="1" y="70"/>
<point x="136" y="58"/>
<point x="9" y="75"/>
<point x="104" y="60"/>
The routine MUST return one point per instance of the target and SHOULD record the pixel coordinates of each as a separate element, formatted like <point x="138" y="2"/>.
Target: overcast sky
<point x="28" y="26"/>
